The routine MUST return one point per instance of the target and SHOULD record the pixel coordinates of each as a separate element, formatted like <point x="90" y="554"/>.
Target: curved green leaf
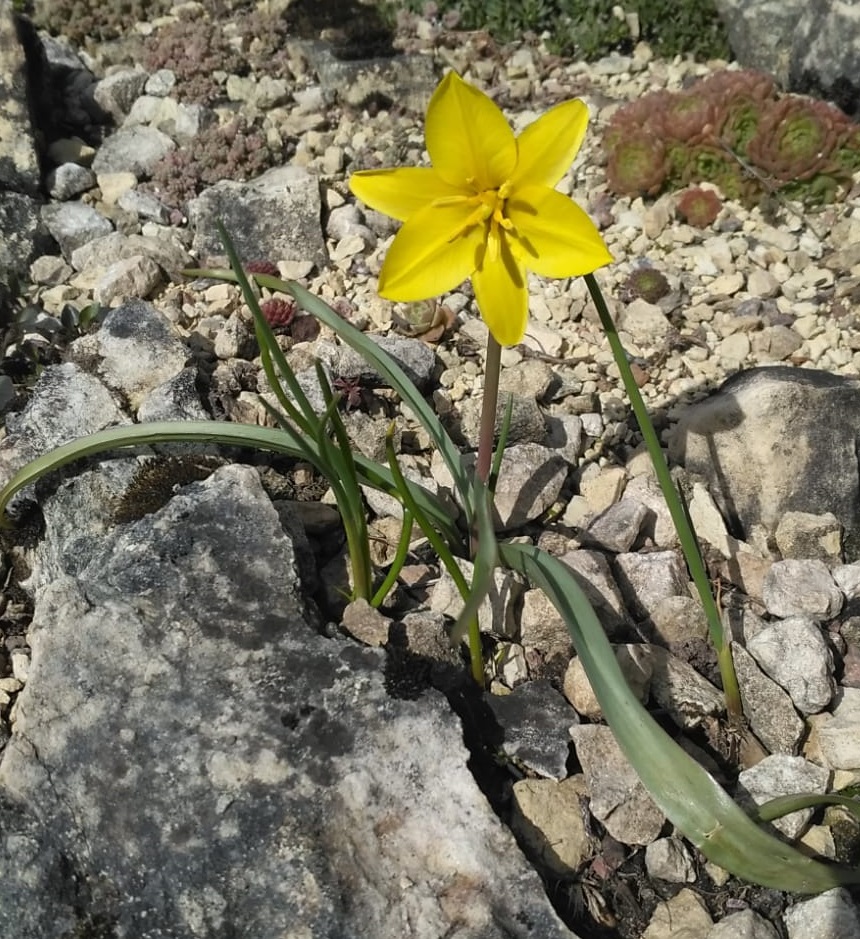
<point x="677" y="509"/>
<point x="380" y="360"/>
<point x="785" y="805"/>
<point x="276" y="440"/>
<point x="683" y="790"/>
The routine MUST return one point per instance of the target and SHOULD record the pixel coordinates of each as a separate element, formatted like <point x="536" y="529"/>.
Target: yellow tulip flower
<point x="486" y="208"/>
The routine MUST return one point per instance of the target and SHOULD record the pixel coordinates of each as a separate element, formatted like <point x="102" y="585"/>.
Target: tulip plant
<point x="487" y="209"/>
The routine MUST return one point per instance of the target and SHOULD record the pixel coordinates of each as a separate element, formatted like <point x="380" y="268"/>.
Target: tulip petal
<point x="402" y="191"/>
<point x="554" y="237"/>
<point x="547" y="147"/>
<point x="468" y="138"/>
<point x="502" y="294"/>
<point x="431" y="254"/>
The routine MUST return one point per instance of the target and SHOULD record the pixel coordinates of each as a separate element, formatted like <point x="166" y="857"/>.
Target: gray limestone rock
<point x="496" y="613"/>
<point x="166" y="251"/>
<point x="19" y="161"/>
<point x="36" y="900"/>
<point x="677" y="687"/>
<point x="530" y="377"/>
<point x="191" y="757"/>
<point x="747" y="924"/>
<point x="549" y="817"/>
<point x="275" y="216"/>
<point x="527" y="420"/>
<point x="415" y="357"/>
<point x="594" y="576"/>
<point x="618" y="798"/>
<point x="830" y="915"/>
<point x="69" y="92"/>
<point x="564" y="433"/>
<point x="795" y="428"/>
<point x="69" y="180"/>
<point x="676" y="619"/>
<point x="658" y="524"/>
<point x="794" y="654"/>
<point x="645" y="322"/>
<point x="669" y="859"/>
<point x="530" y="480"/>
<point x="134" y="277"/>
<point x="117" y="92"/>
<point x="804" y="588"/>
<point x="747" y="21"/>
<point x="847" y="579"/>
<point x="180" y="120"/>
<point x="132" y="149"/>
<point x="617" y="528"/>
<point x="646" y="579"/>
<point x="636" y="665"/>
<point x="145" y="205"/>
<point x="73" y="224"/>
<point x="801" y="535"/>
<point x="838" y="731"/>
<point x="811" y="45"/>
<point x="23" y="235"/>
<point x="135" y="350"/>
<point x="383" y="504"/>
<point x="236" y="339"/>
<point x="65" y="403"/>
<point x="709" y="524"/>
<point x="174" y="400"/>
<point x="407" y="79"/>
<point x="344" y="221"/>
<point x="542" y="627"/>
<point x="683" y="915"/>
<point x="779" y="775"/>
<point x="824" y="54"/>
<point x="767" y="706"/>
<point x="534" y="719"/>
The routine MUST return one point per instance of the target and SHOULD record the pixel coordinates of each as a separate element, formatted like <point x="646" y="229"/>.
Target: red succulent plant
<point x="699" y="207"/>
<point x="731" y="130"/>
<point x="278" y="311"/>
<point x="638" y="164"/>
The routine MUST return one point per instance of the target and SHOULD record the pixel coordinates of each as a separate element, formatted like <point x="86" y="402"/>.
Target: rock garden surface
<point x="199" y="737"/>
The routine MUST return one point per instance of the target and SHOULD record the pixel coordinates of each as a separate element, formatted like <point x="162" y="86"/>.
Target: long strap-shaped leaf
<point x="683" y="790"/>
<point x="484" y="566"/>
<point x="785" y="805"/>
<point x="276" y="440"/>
<point x="380" y="360"/>
<point x="275" y="365"/>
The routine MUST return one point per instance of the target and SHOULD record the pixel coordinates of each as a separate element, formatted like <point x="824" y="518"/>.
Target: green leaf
<point x="378" y="359"/>
<point x="680" y="517"/>
<point x="682" y="789"/>
<point x="785" y="805"/>
<point x="276" y="440"/>
<point x="485" y="561"/>
<point x="273" y="360"/>
<point x="342" y="475"/>
<point x="396" y="565"/>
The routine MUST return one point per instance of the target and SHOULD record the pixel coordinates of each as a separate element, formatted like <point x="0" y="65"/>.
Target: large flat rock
<point x="192" y="758"/>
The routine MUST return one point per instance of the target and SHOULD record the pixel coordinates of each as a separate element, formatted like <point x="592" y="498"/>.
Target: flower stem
<point x="683" y="526"/>
<point x="488" y="409"/>
<point x="482" y="472"/>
